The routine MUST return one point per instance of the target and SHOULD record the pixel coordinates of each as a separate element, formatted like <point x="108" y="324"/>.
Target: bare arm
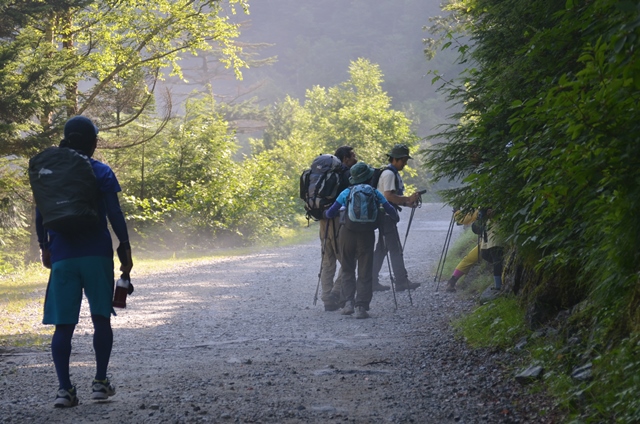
<point x="410" y="201"/>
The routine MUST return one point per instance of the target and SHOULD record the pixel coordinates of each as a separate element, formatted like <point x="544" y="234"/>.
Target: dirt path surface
<point x="238" y="340"/>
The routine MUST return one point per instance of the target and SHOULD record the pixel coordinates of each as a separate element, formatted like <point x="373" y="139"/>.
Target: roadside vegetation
<point x="547" y="136"/>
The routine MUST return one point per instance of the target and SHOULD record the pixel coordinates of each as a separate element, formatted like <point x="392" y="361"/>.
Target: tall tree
<point x="356" y="112"/>
<point x="85" y="49"/>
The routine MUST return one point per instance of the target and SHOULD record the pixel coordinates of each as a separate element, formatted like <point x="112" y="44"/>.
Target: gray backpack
<point x="319" y="185"/>
<point x="362" y="208"/>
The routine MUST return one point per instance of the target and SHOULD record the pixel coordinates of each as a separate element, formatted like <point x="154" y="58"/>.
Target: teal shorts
<point x="68" y="279"/>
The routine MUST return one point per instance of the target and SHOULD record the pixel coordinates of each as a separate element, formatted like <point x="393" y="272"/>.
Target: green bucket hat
<point x="399" y="151"/>
<point x="360" y="173"/>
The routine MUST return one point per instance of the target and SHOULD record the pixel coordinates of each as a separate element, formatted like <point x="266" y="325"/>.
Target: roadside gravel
<point x="238" y="340"/>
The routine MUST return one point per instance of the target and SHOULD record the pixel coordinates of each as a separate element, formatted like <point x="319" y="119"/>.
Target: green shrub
<point x="497" y="324"/>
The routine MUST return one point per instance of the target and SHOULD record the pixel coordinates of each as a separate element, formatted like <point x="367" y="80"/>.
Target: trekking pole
<point x="444" y="260"/>
<point x="443" y="255"/>
<point x="413" y="210"/>
<point x="393" y="281"/>
<point x="402" y="253"/>
<point x="324" y="245"/>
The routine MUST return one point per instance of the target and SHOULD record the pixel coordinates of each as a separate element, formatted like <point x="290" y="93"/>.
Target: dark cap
<point x="360" y="173"/>
<point x="81" y="125"/>
<point x="399" y="151"/>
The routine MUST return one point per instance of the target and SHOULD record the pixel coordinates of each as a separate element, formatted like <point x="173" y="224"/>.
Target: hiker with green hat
<point x="361" y="204"/>
<point x="391" y="186"/>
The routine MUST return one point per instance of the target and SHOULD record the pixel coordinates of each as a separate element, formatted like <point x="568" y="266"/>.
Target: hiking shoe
<point x="102" y="389"/>
<point x="407" y="285"/>
<point x="329" y="307"/>
<point x="361" y="312"/>
<point x="66" y="398"/>
<point x="451" y="284"/>
<point x="379" y="287"/>
<point x="348" y="308"/>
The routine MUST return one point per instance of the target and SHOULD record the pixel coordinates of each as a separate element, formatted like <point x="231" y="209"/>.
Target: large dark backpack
<point x="65" y="190"/>
<point x="362" y="208"/>
<point x="377" y="172"/>
<point x="319" y="185"/>
<point x="375" y="178"/>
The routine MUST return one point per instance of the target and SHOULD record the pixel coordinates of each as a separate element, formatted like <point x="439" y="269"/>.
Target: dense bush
<point x="549" y="137"/>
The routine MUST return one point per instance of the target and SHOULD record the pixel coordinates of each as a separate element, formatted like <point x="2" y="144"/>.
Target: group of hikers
<point x="76" y="197"/>
<point x="352" y="244"/>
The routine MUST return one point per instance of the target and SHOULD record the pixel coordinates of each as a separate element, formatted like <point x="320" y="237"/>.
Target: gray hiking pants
<point x="329" y="259"/>
<point x="357" y="252"/>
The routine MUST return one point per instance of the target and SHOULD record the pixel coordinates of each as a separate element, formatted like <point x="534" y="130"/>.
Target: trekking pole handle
<point x="418" y="202"/>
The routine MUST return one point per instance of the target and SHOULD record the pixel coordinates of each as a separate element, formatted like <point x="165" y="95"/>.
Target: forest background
<point x="208" y="114"/>
<point x="539" y="101"/>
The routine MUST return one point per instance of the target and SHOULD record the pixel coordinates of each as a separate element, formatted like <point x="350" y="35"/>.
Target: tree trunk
<point x="71" y="90"/>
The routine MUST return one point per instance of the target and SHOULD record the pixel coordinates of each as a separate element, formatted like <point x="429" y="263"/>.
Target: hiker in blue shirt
<point x="83" y="262"/>
<point x="356" y="243"/>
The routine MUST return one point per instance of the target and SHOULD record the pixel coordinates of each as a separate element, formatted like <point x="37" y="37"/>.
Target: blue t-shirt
<point x="97" y="242"/>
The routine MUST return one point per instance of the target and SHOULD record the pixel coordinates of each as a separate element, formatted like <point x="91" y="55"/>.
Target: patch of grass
<point x="283" y="237"/>
<point x="34" y="340"/>
<point x="21" y="298"/>
<point x="612" y="394"/>
<point x="496" y="324"/>
<point x="146" y="263"/>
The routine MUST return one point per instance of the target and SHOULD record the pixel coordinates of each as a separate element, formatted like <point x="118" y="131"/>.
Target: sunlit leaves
<point x="549" y="132"/>
<point x="77" y="50"/>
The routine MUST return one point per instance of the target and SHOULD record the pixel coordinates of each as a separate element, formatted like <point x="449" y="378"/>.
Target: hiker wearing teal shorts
<point x="83" y="262"/>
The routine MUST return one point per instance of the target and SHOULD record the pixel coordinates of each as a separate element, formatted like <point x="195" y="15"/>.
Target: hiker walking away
<point x="83" y="262"/>
<point x="330" y="227"/>
<point x="357" y="238"/>
<point x="391" y="186"/>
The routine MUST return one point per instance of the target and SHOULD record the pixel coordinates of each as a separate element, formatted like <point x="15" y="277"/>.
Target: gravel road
<point x="238" y="340"/>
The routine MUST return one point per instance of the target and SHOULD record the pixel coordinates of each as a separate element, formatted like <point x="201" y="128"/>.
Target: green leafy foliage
<point x="65" y="58"/>
<point x="551" y="143"/>
<point x="193" y="189"/>
<point x="15" y="210"/>
<point x="356" y="112"/>
<point x="495" y="324"/>
<point x="548" y="136"/>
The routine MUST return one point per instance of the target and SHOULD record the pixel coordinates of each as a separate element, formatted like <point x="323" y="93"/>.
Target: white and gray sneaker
<point x="361" y="312"/>
<point x="102" y="389"/>
<point x="348" y="308"/>
<point x="66" y="398"/>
